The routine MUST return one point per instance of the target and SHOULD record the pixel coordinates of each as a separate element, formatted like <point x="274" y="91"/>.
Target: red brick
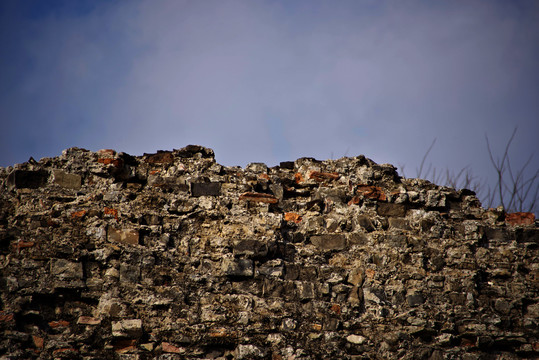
<point x="6" y="317"/>
<point x="125" y="349"/>
<point x="298" y="178"/>
<point x="162" y="157"/>
<point x="336" y="308"/>
<point x="290" y="216"/>
<point x="323" y="176"/>
<point x="169" y="348"/>
<point x="520" y="218"/>
<point x="264" y="176"/>
<point x="259" y="197"/>
<point x="59" y="323"/>
<point x="52" y="223"/>
<point x="88" y="320"/>
<point x="467" y="342"/>
<point x="23" y="244"/>
<point x="371" y="192"/>
<point x="106" y="152"/>
<point x="112" y="212"/>
<point x="64" y="350"/>
<point x="38" y="341"/>
<point x="108" y="159"/>
<point x="78" y="214"/>
<point x="221" y="333"/>
<point x="125" y="345"/>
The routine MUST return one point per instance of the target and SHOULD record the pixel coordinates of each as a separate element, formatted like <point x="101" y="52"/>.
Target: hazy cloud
<point x="272" y="80"/>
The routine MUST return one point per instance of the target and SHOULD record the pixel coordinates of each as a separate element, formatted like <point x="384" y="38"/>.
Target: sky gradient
<point x="271" y="81"/>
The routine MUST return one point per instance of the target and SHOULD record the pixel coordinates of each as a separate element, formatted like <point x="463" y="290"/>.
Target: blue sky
<point x="270" y="81"/>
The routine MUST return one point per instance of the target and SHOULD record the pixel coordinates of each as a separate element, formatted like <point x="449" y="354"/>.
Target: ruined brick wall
<point x="172" y="256"/>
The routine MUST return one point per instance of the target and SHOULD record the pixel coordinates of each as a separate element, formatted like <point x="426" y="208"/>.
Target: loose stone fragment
<point x="356" y="339"/>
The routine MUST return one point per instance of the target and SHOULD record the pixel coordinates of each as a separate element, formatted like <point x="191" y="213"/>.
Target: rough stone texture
<point x="71" y="181"/>
<point x="170" y="255"/>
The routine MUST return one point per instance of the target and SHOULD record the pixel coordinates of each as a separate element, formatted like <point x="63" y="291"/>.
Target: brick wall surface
<point x="170" y="255"/>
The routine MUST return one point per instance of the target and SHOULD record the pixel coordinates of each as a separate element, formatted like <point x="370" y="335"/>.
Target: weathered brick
<point x="65" y="352"/>
<point x="20" y="244"/>
<point x="70" y="181"/>
<point x="323" y="176"/>
<point x="371" y="192"/>
<point x="520" y="218"/>
<point x="289" y="216"/>
<point x="287" y="165"/>
<point x="161" y="157"/>
<point x="66" y="270"/>
<point x="169" y="348"/>
<point x="389" y="209"/>
<point x="106" y="153"/>
<point x="6" y="317"/>
<point x="27" y="179"/>
<point x="78" y="214"/>
<point x="111" y="212"/>
<point x="124" y="236"/>
<point x="206" y="189"/>
<point x="329" y="241"/>
<point x="238" y="267"/>
<point x="127" y="328"/>
<point x="259" y="197"/>
<point x="88" y="320"/>
<point x="38" y="342"/>
<point x="58" y="323"/>
<point x="254" y="248"/>
<point x="193" y="150"/>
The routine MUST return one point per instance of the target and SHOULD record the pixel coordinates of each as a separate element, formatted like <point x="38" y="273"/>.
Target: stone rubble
<point x="104" y="255"/>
